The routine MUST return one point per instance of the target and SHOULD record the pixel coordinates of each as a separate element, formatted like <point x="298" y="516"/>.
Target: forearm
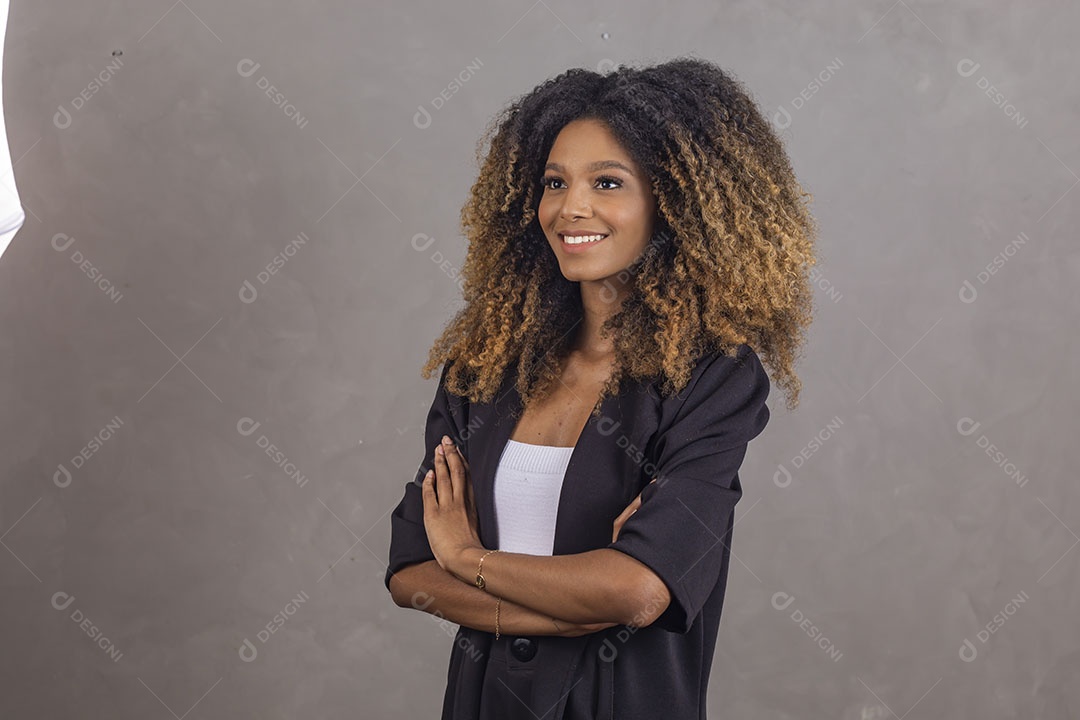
<point x="589" y="587"/>
<point x="429" y="588"/>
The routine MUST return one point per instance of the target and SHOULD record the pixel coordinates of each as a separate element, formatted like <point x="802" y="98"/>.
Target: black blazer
<point x="694" y="443"/>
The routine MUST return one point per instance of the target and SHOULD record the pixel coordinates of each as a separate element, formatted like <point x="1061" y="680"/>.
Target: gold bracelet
<point x="480" y="578"/>
<point x="497" y="603"/>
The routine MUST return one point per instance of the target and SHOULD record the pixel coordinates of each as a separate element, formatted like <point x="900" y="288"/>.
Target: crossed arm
<point x="561" y="594"/>
<point x="706" y="440"/>
<point x="582" y="593"/>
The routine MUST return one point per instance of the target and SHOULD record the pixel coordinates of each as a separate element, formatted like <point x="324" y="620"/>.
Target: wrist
<point x="465" y="562"/>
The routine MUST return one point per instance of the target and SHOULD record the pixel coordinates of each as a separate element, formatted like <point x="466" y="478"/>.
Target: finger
<point x="457" y="481"/>
<point x="638" y="499"/>
<point x="464" y="484"/>
<point x="473" y="512"/>
<point x="622" y="520"/>
<point x="427" y="491"/>
<point x="469" y="493"/>
<point x="627" y="512"/>
<point x="443" y="489"/>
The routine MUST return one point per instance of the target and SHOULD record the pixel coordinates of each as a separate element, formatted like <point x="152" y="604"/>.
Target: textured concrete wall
<point x="212" y="323"/>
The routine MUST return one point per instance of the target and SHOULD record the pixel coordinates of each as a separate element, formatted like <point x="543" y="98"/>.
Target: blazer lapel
<point x="600" y="477"/>
<point x="494" y="427"/>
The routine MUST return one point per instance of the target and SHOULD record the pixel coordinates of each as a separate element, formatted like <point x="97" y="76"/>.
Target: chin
<point x="584" y="274"/>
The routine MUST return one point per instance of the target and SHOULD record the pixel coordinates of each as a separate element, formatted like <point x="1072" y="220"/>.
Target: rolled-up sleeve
<point x="408" y="536"/>
<point x="679" y="529"/>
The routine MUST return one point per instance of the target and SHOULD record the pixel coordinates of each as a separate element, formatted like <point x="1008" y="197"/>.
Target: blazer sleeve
<point x="408" y="536"/>
<point x="683" y="516"/>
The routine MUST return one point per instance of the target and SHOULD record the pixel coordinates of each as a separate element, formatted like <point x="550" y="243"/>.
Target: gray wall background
<point x="190" y="448"/>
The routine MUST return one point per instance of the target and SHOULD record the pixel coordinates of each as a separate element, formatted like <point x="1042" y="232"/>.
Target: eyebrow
<point x="598" y="165"/>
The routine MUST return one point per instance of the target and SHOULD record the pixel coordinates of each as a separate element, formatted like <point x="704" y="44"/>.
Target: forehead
<point x="589" y="146"/>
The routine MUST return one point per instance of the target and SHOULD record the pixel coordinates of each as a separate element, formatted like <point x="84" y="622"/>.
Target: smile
<point x="582" y="239"/>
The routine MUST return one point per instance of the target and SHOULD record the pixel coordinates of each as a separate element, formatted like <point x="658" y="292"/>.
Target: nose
<point x="576" y="202"/>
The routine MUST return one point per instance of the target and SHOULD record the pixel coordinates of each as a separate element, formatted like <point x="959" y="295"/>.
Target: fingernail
<point x="439" y="450"/>
<point x="446" y="440"/>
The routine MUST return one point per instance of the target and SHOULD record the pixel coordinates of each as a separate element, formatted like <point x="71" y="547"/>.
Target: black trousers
<point x="507" y="689"/>
<point x="508" y="681"/>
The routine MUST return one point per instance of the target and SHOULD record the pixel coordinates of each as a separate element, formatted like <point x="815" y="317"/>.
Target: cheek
<point x="631" y="220"/>
<point x="546" y="212"/>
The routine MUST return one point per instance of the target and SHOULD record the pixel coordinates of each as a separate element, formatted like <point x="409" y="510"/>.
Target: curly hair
<point x="728" y="262"/>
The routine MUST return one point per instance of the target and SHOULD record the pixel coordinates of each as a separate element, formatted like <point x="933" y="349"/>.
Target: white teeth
<point x="582" y="239"/>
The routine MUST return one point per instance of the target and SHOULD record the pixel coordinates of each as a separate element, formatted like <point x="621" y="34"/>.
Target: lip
<point x="583" y="247"/>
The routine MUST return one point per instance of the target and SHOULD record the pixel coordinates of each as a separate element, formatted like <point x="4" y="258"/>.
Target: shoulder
<point x="735" y="372"/>
<point x="726" y="395"/>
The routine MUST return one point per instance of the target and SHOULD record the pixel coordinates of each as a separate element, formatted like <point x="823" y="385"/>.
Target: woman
<point x="636" y="239"/>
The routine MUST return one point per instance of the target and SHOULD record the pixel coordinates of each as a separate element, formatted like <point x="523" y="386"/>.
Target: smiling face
<point x="593" y="187"/>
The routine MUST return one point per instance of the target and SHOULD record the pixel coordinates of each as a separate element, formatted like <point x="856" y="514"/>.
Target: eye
<point x="546" y="182"/>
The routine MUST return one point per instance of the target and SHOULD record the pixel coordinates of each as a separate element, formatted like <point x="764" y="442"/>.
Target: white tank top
<point x="528" y="482"/>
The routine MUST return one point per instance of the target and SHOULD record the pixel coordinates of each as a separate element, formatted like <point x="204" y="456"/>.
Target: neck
<point x="599" y="301"/>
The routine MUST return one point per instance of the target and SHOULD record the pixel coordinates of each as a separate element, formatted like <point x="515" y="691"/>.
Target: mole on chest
<point x="558" y="419"/>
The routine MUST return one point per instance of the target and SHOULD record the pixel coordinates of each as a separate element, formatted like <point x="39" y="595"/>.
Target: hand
<point x="570" y="629"/>
<point x="450" y="516"/>
<point x="625" y="514"/>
